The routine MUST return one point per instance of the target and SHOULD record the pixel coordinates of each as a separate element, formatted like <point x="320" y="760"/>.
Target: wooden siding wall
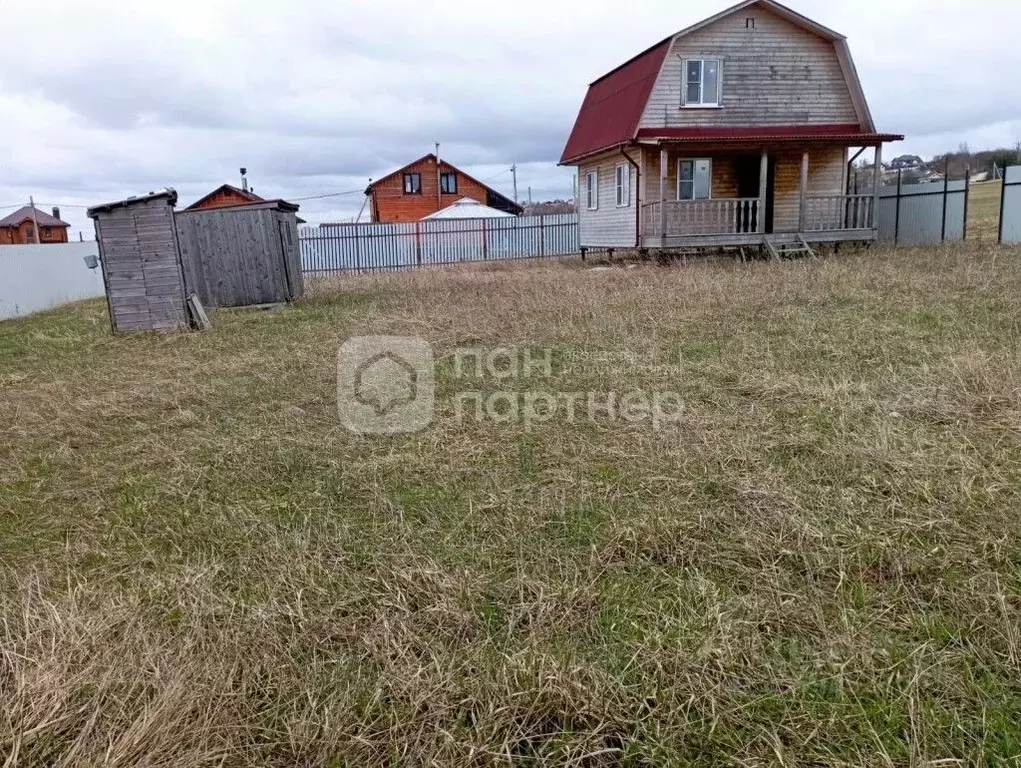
<point x="19" y="235"/>
<point x="724" y="174"/>
<point x="825" y="177"/>
<point x="241" y="256"/>
<point x="774" y="74"/>
<point x="142" y="266"/>
<point x="608" y="226"/>
<point x="391" y="205"/>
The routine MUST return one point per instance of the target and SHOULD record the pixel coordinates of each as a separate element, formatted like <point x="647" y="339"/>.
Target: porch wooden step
<point x="778" y="249"/>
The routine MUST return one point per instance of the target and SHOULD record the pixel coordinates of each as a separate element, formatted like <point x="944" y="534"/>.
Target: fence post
<point x="896" y="220"/>
<point x="358" y="250"/>
<point x="418" y="243"/>
<point x="542" y="235"/>
<point x="967" y="200"/>
<point x="485" y="241"/>
<point x="946" y="193"/>
<point x="1003" y="203"/>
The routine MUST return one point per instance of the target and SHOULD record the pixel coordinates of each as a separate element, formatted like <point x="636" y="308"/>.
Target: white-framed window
<point x="622" y="182"/>
<point x="701" y="83"/>
<point x="694" y="179"/>
<point x="592" y="190"/>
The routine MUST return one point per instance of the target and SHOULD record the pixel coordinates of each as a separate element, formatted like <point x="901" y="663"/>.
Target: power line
<point x="328" y="194"/>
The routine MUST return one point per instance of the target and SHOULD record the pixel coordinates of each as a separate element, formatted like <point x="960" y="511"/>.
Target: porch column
<point x="763" y="191"/>
<point x="877" y="171"/>
<point x="663" y="170"/>
<point x="804" y="191"/>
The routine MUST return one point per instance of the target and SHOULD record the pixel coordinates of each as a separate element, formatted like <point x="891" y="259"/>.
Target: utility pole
<point x="514" y="173"/>
<point x="439" y="192"/>
<point x="529" y="195"/>
<point x="1019" y="153"/>
<point x="35" y="220"/>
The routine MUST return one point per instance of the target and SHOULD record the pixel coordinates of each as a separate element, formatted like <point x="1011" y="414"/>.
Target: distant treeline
<point x="963" y="159"/>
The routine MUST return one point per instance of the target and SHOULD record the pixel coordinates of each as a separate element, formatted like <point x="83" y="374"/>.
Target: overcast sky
<point x="103" y="99"/>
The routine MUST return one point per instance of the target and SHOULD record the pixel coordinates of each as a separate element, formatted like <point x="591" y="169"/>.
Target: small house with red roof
<point x="31" y="225"/>
<point x="425" y="186"/>
<point x="735" y="131"/>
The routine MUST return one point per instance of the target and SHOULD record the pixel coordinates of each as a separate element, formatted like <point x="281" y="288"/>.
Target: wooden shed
<point x="142" y="271"/>
<point x="241" y="255"/>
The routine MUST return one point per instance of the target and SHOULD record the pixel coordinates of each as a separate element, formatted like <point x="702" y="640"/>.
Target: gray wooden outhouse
<point x="141" y="261"/>
<point x="241" y="255"/>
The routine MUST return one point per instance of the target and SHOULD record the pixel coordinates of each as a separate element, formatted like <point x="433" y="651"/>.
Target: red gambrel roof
<point x="773" y="133"/>
<point x="614" y="104"/>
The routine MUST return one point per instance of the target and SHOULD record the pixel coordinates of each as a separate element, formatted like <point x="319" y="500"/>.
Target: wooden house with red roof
<point x="426" y="186"/>
<point x="225" y="196"/>
<point x="735" y="131"/>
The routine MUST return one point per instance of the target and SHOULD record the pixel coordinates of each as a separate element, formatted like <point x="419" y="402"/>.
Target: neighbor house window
<point x="448" y="183"/>
<point x="702" y="82"/>
<point x="694" y="179"/>
<point x="412" y="183"/>
<point x="46" y="233"/>
<point x="592" y="190"/>
<point x="623" y="185"/>
<point x="30" y="233"/>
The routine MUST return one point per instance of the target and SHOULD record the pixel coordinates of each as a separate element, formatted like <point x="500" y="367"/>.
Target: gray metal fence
<point x="1010" y="206"/>
<point x="924" y="214"/>
<point x="332" y="248"/>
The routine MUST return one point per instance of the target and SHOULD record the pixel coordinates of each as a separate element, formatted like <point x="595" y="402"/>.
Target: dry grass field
<point x="984" y="212"/>
<point x="818" y="563"/>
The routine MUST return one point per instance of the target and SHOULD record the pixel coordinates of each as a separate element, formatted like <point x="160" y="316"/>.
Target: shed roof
<point x="258" y="205"/>
<point x="767" y="133"/>
<point x="613" y="107"/>
<point x="25" y="213"/>
<point x="169" y="193"/>
<point x="467" y="208"/>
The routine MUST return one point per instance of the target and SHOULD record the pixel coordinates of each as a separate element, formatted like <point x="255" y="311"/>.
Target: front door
<point x="749" y="168"/>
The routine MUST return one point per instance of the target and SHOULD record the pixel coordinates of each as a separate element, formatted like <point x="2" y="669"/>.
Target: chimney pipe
<point x="244" y="181"/>
<point x="56" y="212"/>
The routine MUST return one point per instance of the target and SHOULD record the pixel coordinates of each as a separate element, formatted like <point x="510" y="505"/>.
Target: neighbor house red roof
<point x="614" y="104"/>
<point x="25" y="214"/>
<point x="848" y="132"/>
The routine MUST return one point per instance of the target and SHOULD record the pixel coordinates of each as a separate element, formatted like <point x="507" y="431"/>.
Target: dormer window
<point x="702" y="83"/>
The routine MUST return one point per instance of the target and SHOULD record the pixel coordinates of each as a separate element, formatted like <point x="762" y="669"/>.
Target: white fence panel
<point x="38" y="277"/>
<point x="1010" y="213"/>
<point x="356" y="247"/>
<point x="920" y="220"/>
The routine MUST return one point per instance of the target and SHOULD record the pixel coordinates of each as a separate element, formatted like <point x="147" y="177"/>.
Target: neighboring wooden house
<point x="426" y="186"/>
<point x="224" y="196"/>
<point x="735" y="131"/>
<point x="19" y="228"/>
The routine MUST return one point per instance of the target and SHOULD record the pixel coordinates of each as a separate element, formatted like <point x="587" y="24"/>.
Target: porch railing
<point x="829" y="213"/>
<point x="730" y="216"/>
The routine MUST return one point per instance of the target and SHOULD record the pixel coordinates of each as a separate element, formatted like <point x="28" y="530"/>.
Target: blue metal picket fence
<point x="333" y="248"/>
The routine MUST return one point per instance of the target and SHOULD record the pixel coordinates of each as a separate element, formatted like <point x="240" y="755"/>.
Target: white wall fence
<point x="37" y="277"/>
<point x="332" y="248"/>
<point x="1010" y="206"/>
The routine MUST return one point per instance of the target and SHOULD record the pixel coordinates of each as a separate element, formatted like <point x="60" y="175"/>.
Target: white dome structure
<point x="466" y="208"/>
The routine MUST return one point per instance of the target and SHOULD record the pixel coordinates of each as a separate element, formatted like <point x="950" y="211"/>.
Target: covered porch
<point x="741" y="193"/>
